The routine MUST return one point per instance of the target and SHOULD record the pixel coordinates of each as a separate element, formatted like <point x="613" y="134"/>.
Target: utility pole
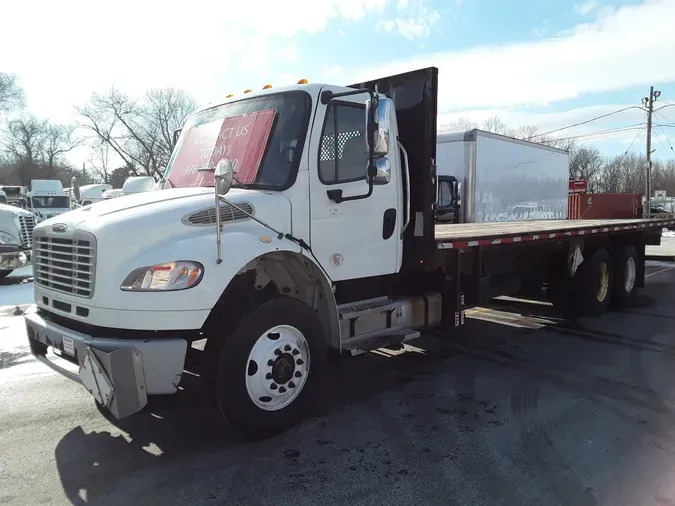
<point x="648" y="102"/>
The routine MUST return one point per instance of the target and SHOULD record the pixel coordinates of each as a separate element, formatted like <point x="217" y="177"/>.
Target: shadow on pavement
<point x="179" y="454"/>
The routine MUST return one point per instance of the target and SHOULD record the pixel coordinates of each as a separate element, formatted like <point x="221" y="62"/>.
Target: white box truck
<point x="487" y="177"/>
<point x="294" y="221"/>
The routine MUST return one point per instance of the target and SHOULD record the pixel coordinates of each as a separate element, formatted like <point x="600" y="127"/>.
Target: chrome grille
<point x="65" y="264"/>
<point x="27" y="224"/>
<point x="227" y="213"/>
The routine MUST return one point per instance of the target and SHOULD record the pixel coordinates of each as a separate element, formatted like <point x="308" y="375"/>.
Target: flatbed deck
<point x="463" y="235"/>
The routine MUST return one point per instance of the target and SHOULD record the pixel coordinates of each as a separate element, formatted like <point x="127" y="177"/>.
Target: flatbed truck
<point x="293" y="222"/>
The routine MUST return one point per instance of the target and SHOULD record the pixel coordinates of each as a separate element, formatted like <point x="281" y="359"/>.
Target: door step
<point x="379" y="339"/>
<point x="366" y="307"/>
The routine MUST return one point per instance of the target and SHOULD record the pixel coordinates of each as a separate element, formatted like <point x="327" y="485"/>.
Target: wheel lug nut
<point x="299" y="361"/>
<point x="291" y="384"/>
<point x="296" y="352"/>
<point x="277" y="352"/>
<point x="273" y="386"/>
<point x="287" y="347"/>
<point x="270" y="363"/>
<point x="298" y="374"/>
<point x="282" y="390"/>
<point x="268" y="376"/>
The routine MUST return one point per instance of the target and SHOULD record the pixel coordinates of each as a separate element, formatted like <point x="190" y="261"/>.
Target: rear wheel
<point x="592" y="284"/>
<point x="269" y="368"/>
<point x="624" y="292"/>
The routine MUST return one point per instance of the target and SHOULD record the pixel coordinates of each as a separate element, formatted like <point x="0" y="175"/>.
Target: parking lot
<point x="519" y="408"/>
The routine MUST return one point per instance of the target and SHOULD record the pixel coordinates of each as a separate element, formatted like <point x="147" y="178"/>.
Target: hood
<point x="18" y="211"/>
<point x="166" y="206"/>
<point x="47" y="213"/>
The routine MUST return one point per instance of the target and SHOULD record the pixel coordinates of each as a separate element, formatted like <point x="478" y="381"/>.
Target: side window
<point x="445" y="196"/>
<point x="345" y="160"/>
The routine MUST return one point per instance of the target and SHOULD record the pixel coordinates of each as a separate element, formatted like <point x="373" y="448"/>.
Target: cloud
<point x="604" y="55"/>
<point x="207" y="47"/>
<point x="415" y="21"/>
<point x="586" y="7"/>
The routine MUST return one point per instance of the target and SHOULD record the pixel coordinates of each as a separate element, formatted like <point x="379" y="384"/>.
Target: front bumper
<point x="119" y="373"/>
<point x="15" y="259"/>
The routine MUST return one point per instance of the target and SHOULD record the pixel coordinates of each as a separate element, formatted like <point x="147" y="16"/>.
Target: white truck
<point x="137" y="184"/>
<point x="91" y="193"/>
<point x="487" y="177"/>
<point x="16" y="236"/>
<point x="16" y="195"/>
<point x="110" y="194"/>
<point x="294" y="221"/>
<point x="47" y="198"/>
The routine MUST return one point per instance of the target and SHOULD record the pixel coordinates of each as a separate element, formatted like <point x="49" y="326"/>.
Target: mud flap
<point x="574" y="259"/>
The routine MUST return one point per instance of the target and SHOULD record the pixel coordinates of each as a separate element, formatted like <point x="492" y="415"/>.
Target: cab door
<point x="356" y="238"/>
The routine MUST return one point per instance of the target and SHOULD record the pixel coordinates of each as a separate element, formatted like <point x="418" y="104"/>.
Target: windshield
<point x="50" y="202"/>
<point x="263" y="136"/>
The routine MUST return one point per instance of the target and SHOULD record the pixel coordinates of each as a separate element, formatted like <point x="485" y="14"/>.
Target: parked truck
<point x="47" y="198"/>
<point x="16" y="235"/>
<point x="292" y="222"/>
<point x="16" y="195"/>
<point x="487" y="177"/>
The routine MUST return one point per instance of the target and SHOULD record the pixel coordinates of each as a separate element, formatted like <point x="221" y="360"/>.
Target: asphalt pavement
<point x="519" y="408"/>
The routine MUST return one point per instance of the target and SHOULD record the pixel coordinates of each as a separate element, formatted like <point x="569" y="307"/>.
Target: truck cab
<point x="47" y="198"/>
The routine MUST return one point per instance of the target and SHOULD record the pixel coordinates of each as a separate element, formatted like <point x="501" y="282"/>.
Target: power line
<point x="602" y="133"/>
<point x="633" y="141"/>
<point x="664" y="133"/>
<point x="589" y="121"/>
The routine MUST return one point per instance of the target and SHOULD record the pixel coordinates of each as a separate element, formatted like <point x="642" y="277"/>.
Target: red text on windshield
<point x="241" y="139"/>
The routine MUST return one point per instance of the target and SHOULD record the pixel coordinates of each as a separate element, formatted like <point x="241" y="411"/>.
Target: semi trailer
<point x="294" y="222"/>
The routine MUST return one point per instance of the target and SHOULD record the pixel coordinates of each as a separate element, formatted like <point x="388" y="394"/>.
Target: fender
<point x="239" y="246"/>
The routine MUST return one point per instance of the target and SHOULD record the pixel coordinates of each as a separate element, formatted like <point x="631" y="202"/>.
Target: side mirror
<point x="75" y="189"/>
<point x="377" y="130"/>
<point x="382" y="171"/>
<point x="223" y="176"/>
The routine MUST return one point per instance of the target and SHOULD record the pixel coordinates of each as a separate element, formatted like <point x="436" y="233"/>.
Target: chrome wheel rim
<point x="277" y="368"/>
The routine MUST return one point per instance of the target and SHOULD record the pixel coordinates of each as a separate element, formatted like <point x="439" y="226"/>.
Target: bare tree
<point x="34" y="144"/>
<point x="140" y="132"/>
<point x="586" y="163"/>
<point x="56" y="140"/>
<point x="12" y="95"/>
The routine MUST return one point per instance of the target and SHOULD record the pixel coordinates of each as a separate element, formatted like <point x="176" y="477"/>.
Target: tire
<point x="264" y="382"/>
<point x="592" y="284"/>
<point x="4" y="273"/>
<point x="624" y="291"/>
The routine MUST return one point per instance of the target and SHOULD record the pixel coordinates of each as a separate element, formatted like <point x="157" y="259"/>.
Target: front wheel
<point x="269" y="368"/>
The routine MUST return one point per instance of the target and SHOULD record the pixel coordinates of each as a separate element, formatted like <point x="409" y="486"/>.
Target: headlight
<point x="9" y="239"/>
<point x="164" y="277"/>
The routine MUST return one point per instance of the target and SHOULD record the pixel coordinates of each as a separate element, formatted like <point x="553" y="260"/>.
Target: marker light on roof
<point x="230" y="96"/>
<point x="248" y="91"/>
<point x="303" y="81"/>
<point x="267" y="87"/>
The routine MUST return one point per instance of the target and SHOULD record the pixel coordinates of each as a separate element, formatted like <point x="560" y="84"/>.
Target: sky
<point x="551" y="64"/>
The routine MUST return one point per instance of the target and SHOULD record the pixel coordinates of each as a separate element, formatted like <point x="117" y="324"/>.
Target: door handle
<point x="388" y="223"/>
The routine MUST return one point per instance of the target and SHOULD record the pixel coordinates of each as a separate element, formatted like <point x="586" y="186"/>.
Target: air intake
<point x="227" y="213"/>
